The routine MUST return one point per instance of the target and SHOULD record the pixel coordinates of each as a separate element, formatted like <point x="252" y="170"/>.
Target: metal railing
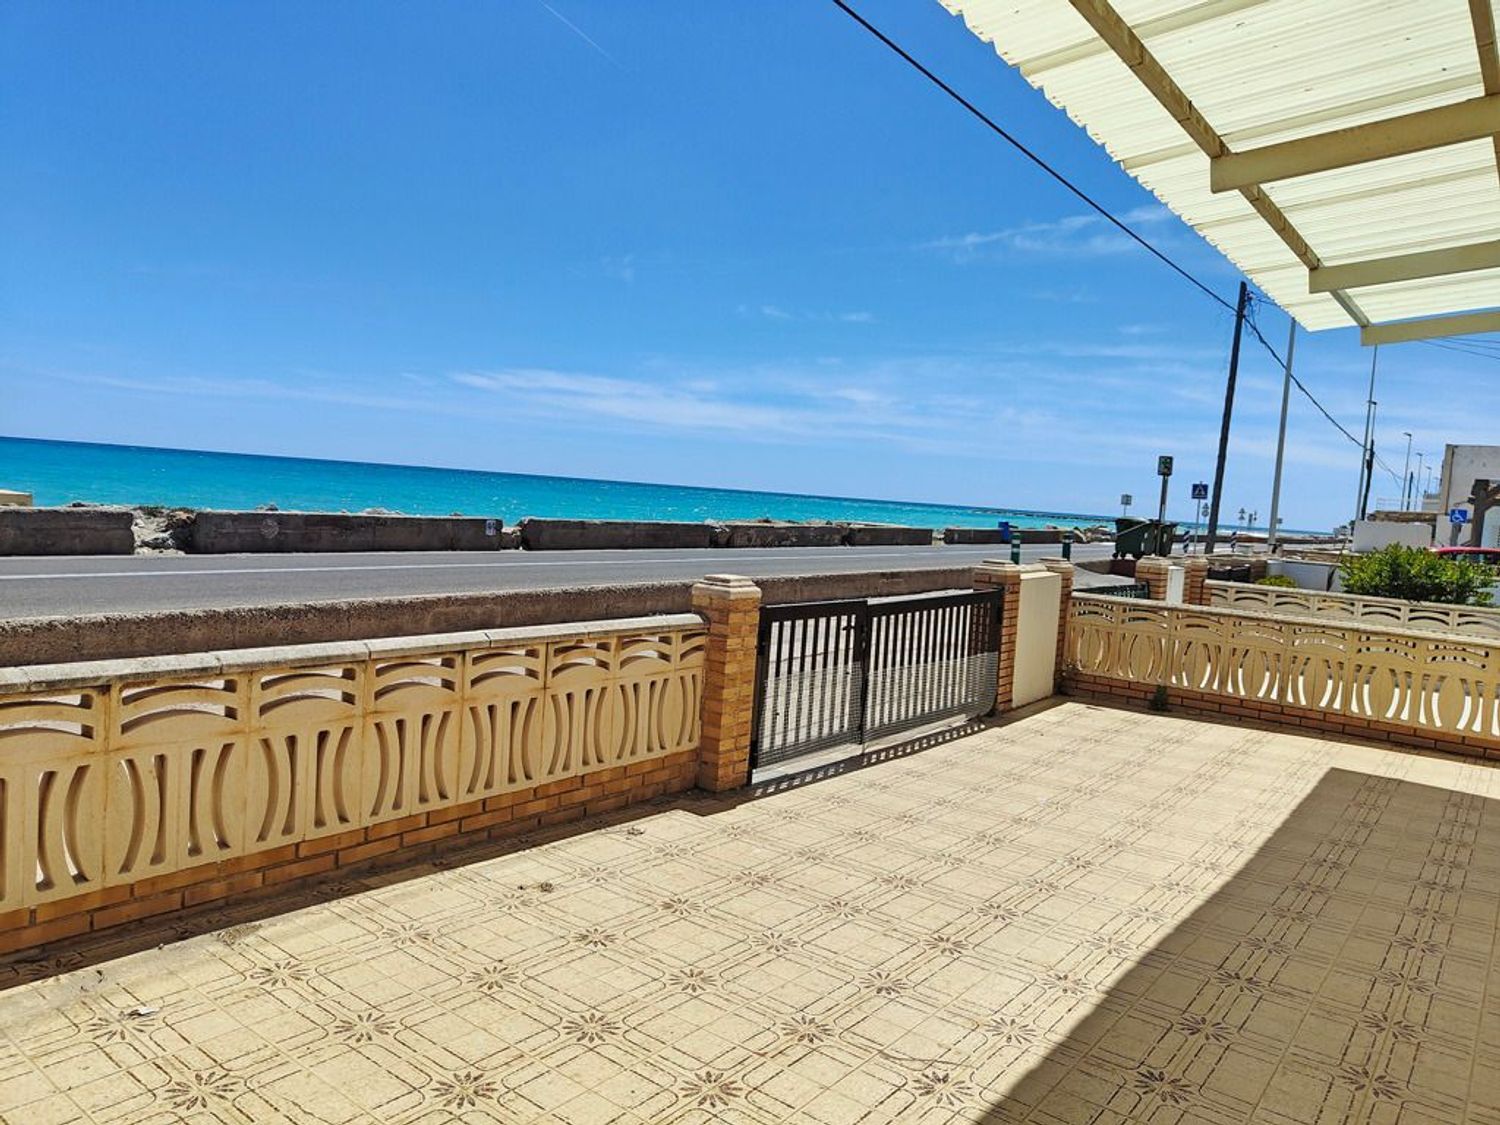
<point x="850" y="672"/>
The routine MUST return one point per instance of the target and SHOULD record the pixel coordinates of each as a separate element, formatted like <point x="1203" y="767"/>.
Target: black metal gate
<point x="849" y="672"/>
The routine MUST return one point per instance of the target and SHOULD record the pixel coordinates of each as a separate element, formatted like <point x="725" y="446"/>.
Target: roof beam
<point x="1470" y="120"/>
<point x="1405" y="267"/>
<point x="1128" y="47"/>
<point x="1402" y="331"/>
<point x="1483" y="18"/>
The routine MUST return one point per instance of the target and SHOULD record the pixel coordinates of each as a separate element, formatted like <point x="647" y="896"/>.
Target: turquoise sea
<point x="58" y="472"/>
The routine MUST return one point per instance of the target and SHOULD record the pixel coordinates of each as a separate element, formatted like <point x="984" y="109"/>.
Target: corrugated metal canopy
<point x="1243" y="78"/>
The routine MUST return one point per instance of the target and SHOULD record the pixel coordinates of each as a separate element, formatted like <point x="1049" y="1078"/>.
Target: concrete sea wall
<point x="51" y="640"/>
<point x="66" y="531"/>
<point x="233" y="533"/>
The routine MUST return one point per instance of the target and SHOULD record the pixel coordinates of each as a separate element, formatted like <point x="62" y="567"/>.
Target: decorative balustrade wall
<point x="1427" y="617"/>
<point x="1417" y="688"/>
<point x="120" y="781"/>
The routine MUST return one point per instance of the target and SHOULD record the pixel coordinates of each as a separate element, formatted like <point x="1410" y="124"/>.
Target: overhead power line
<point x="1103" y="211"/>
<point x="1477" y="348"/>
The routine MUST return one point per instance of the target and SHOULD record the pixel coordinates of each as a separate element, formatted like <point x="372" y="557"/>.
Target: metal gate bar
<point x="931" y="659"/>
<point x="846" y="672"/>
<point x="810" y="677"/>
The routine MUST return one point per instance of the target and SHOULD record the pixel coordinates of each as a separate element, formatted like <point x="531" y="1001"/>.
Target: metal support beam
<point x="1405" y="267"/>
<point x="1402" y="331"/>
<point x="1471" y="120"/>
<point x="1482" y="15"/>
<point x="1129" y="48"/>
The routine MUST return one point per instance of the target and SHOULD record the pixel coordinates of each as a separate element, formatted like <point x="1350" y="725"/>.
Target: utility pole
<point x="1364" y="448"/>
<point x="1286" y="392"/>
<point x="1406" y="472"/>
<point x="1234" y="370"/>
<point x="1419" y="501"/>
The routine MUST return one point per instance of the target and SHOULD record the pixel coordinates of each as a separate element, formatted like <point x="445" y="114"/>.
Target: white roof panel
<point x="1263" y="72"/>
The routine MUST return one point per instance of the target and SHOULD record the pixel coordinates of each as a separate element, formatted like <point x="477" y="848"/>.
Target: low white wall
<point x="1371" y="535"/>
<point x="1036" y="636"/>
<point x="1307" y="575"/>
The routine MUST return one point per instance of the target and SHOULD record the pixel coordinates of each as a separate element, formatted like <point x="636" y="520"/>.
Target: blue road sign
<point x="1458" y="515"/>
<point x="1200" y="491"/>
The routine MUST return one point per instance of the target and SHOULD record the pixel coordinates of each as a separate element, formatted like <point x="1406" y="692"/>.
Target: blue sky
<point x="695" y="242"/>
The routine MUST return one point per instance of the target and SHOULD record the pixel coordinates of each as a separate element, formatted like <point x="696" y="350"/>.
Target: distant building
<point x="1471" y="481"/>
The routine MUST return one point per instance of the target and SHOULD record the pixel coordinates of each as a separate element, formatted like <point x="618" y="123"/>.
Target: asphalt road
<point x="65" y="586"/>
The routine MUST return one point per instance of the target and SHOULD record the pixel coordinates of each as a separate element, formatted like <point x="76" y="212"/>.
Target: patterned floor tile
<point x="1085" y="915"/>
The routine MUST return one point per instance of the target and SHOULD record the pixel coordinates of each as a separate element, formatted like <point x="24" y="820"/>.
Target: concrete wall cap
<point x="417" y="646"/>
<point x="92" y="673"/>
<point x="329" y="652"/>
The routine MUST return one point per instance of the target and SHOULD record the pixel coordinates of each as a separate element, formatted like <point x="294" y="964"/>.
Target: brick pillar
<point x="1005" y="577"/>
<point x="1064" y="569"/>
<point x="1195" y="582"/>
<point x="1153" y="572"/>
<point x="731" y="606"/>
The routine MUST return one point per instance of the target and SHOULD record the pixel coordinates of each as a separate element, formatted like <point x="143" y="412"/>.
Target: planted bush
<point x="1416" y="575"/>
<point x="1276" y="580"/>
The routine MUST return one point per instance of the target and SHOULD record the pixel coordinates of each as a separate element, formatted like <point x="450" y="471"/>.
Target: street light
<point x="1406" y="472"/>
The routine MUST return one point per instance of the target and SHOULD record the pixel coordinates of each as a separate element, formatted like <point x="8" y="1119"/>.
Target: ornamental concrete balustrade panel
<point x="502" y="744"/>
<point x="1481" y="621"/>
<point x="1422" y="682"/>
<point x="303" y="768"/>
<point x="111" y="781"/>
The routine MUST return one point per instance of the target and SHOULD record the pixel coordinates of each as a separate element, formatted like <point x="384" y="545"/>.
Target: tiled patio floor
<point x="1085" y="915"/>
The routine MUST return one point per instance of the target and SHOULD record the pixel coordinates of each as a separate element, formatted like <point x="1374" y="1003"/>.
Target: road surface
<point x="64" y="586"/>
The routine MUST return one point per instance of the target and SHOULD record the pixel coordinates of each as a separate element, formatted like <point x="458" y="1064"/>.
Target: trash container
<point x="1143" y="537"/>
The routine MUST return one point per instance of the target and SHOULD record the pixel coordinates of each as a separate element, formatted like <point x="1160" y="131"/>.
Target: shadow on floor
<point x="85" y="950"/>
<point x="1338" y="975"/>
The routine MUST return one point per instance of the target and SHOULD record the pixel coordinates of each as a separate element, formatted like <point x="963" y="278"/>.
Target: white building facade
<point x="1462" y="466"/>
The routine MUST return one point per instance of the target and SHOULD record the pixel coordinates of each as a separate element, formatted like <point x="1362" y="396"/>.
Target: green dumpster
<point x="1143" y="537"/>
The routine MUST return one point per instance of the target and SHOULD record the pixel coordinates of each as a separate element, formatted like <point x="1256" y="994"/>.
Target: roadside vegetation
<point x="1416" y="575"/>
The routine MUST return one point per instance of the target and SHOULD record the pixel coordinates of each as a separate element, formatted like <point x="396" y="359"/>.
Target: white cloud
<point x="778" y="312"/>
<point x="621" y="268"/>
<point x="1074" y="236"/>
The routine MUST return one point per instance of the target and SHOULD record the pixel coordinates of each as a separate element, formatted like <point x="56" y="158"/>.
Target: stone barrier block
<point x="781" y="535"/>
<point x="226" y="533"/>
<point x="585" y="535"/>
<point x="878" y="536"/>
<point x="963" y="535"/>
<point x="65" y="531"/>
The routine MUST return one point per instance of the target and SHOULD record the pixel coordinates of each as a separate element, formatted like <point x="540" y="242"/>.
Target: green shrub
<point x="1276" y="580"/>
<point x="1416" y="575"/>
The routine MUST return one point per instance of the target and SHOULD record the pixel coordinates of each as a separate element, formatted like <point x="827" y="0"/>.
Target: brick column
<point x="731" y="606"/>
<point x="1005" y="577"/>
<point x="1064" y="569"/>
<point x="1195" y="581"/>
<point x="1153" y="572"/>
